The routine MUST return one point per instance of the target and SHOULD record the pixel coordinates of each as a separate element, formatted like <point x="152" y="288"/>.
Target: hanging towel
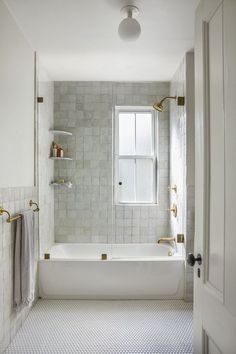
<point x="24" y="260"/>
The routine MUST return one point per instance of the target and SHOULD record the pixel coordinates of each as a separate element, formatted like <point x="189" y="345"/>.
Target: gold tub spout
<point x="170" y="240"/>
<point x="166" y="239"/>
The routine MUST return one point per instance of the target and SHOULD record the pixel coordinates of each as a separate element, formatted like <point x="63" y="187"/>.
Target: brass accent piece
<point x="103" y="256"/>
<point x="31" y="203"/>
<point x="180" y="238"/>
<point x="172" y="188"/>
<point x="173" y="210"/>
<point x="166" y="239"/>
<point x="46" y="255"/>
<point x="40" y="99"/>
<point x="180" y="100"/>
<point x="18" y="216"/>
<point x="171" y="241"/>
<point x="9" y="219"/>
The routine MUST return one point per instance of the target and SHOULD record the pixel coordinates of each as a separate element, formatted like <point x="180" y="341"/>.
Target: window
<point x="135" y="155"/>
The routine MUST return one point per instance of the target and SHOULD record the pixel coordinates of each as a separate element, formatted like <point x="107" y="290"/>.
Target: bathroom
<point x="101" y="159"/>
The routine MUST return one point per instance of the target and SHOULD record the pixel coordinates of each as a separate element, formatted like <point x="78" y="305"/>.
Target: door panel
<point x="215" y="239"/>
<point x="215" y="234"/>
<point x="230" y="151"/>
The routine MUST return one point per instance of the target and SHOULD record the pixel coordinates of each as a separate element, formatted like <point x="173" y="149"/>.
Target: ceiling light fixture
<point x="129" y="29"/>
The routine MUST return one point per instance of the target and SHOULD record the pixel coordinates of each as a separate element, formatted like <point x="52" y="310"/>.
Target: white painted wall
<point x="16" y="104"/>
<point x="17" y="136"/>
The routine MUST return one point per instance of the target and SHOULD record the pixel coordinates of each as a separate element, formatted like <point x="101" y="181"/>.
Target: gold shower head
<point x="159" y="105"/>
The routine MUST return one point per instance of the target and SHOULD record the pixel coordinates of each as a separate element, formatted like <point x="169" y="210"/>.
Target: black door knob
<point x="191" y="259"/>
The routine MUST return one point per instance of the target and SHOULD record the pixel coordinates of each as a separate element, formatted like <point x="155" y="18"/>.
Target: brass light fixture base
<point x="130" y="9"/>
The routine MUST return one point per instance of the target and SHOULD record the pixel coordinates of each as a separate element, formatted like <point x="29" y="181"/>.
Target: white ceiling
<point x="78" y="39"/>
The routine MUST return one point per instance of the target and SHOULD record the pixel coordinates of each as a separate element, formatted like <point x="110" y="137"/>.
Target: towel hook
<point x="31" y="203"/>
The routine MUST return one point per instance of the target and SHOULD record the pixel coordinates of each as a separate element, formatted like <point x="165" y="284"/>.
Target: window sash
<point x="136" y="111"/>
<point x="154" y="178"/>
<point x="152" y="156"/>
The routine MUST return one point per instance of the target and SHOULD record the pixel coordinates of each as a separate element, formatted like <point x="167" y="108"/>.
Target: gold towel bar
<point x="10" y="219"/>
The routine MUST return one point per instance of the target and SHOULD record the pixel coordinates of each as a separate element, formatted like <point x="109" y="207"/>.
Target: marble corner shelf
<point x="60" y="132"/>
<point x="61" y="158"/>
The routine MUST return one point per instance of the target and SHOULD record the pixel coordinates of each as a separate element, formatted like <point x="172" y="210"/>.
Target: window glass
<point x="144" y="180"/>
<point x="127" y="178"/>
<point x="126" y="133"/>
<point x="143" y="134"/>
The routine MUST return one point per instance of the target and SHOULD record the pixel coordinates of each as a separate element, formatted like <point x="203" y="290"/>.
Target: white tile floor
<point x="75" y="326"/>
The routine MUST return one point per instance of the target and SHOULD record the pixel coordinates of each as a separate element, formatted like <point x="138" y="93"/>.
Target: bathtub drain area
<point x="81" y="326"/>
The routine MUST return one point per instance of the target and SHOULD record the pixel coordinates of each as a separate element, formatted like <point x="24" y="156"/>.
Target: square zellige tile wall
<point x="86" y="213"/>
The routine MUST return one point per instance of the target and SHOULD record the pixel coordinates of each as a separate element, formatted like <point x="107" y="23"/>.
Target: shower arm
<point x="168" y="97"/>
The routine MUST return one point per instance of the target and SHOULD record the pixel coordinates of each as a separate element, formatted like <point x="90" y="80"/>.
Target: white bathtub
<point x="132" y="271"/>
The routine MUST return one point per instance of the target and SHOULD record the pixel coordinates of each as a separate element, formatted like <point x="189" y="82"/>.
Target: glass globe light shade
<point x="129" y="29"/>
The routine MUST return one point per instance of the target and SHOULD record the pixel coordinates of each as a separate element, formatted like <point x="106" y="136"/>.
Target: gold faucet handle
<point x="173" y="210"/>
<point x="172" y="188"/>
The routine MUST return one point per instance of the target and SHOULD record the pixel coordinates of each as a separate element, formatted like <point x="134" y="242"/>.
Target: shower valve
<point x="173" y="210"/>
<point x="172" y="188"/>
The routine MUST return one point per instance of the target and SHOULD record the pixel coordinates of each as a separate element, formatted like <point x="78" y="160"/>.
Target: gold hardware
<point x="173" y="210"/>
<point x="172" y="188"/>
<point x="166" y="239"/>
<point x="103" y="256"/>
<point x="9" y="219"/>
<point x="170" y="254"/>
<point x="31" y="203"/>
<point x="180" y="100"/>
<point x="14" y="218"/>
<point x="40" y="99"/>
<point x="180" y="238"/>
<point x="46" y="255"/>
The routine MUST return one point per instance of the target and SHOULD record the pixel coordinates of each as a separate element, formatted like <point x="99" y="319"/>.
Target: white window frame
<point x="153" y="156"/>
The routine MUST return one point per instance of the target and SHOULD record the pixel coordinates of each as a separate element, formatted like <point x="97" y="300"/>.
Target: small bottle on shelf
<point x="60" y="151"/>
<point x="54" y="149"/>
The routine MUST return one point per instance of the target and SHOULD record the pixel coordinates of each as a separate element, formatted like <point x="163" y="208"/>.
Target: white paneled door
<point x="214" y="260"/>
